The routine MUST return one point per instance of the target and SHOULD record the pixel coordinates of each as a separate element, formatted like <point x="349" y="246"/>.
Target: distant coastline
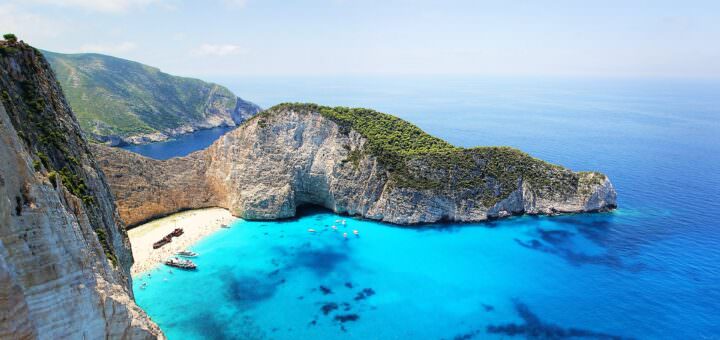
<point x="181" y="145"/>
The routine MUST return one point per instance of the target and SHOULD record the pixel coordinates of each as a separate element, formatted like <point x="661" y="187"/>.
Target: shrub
<point x="102" y="238"/>
<point x="10" y="37"/>
<point x="75" y="185"/>
<point x="44" y="159"/>
<point x="52" y="176"/>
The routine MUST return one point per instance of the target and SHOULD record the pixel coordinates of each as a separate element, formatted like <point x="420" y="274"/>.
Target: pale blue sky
<point x="625" y="38"/>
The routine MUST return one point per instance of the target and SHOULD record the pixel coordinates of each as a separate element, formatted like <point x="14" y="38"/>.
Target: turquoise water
<point x="649" y="270"/>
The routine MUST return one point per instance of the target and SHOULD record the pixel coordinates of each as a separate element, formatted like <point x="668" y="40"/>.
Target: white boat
<point x="187" y="253"/>
<point x="311" y="230"/>
<point x="180" y="263"/>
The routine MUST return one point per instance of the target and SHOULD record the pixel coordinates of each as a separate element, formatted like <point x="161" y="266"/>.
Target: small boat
<point x="311" y="230"/>
<point x="187" y="253"/>
<point x="342" y="222"/>
<point x="177" y="232"/>
<point x="179" y="263"/>
<point x="356" y="232"/>
<point x="334" y="228"/>
<point x="224" y="226"/>
<point x="345" y="235"/>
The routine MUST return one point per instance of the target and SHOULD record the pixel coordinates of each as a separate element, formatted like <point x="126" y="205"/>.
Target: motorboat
<point x="180" y="263"/>
<point x="187" y="253"/>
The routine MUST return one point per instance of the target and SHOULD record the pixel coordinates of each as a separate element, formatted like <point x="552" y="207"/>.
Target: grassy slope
<point x="407" y="151"/>
<point x="116" y="96"/>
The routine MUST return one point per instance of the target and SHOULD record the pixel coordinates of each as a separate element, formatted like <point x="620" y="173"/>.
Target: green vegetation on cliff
<point x="113" y="96"/>
<point x="407" y="153"/>
<point x="44" y="123"/>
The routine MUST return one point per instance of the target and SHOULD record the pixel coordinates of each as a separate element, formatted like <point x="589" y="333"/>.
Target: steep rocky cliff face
<point x="120" y="101"/>
<point x="175" y="184"/>
<point x="64" y="255"/>
<point x="353" y="161"/>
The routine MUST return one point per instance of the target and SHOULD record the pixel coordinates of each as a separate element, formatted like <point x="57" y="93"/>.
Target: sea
<point x="648" y="270"/>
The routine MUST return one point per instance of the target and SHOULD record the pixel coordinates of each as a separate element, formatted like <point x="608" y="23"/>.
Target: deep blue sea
<point x="180" y="145"/>
<point x="650" y="270"/>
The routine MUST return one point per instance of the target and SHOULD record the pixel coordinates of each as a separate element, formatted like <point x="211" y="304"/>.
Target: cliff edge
<point x="64" y="255"/>
<point x="354" y="161"/>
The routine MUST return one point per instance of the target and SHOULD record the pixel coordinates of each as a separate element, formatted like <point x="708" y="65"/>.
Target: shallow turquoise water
<point x="263" y="279"/>
<point x="650" y="270"/>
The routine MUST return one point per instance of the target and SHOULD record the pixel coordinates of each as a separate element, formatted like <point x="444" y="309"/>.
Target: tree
<point x="10" y="37"/>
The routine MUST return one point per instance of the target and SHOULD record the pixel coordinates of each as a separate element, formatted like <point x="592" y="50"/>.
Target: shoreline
<point x="197" y="224"/>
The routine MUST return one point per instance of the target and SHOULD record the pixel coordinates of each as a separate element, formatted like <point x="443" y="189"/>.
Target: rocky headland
<point x="351" y="161"/>
<point x="64" y="254"/>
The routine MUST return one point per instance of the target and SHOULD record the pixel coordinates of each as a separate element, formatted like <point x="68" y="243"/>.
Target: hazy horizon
<point x="232" y="38"/>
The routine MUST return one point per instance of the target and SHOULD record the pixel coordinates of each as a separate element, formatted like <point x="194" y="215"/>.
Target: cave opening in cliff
<point x="310" y="209"/>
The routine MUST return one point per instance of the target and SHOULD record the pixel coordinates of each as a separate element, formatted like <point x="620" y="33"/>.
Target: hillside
<point x="121" y="101"/>
<point x="353" y="161"/>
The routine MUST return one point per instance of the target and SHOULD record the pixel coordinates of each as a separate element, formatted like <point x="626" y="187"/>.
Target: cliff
<point x="120" y="101"/>
<point x="64" y="255"/>
<point x="354" y="161"/>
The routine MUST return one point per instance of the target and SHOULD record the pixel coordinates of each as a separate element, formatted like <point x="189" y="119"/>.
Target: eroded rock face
<point x="145" y="188"/>
<point x="289" y="157"/>
<point x="64" y="255"/>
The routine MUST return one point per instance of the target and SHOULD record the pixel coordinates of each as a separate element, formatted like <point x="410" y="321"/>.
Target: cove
<point x="649" y="270"/>
<point x="529" y="275"/>
<point x="181" y="145"/>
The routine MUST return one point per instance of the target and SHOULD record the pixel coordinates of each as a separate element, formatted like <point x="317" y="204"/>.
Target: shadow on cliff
<point x="308" y="210"/>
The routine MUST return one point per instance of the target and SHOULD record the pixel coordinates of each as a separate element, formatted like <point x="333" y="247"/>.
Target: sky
<point x="210" y="38"/>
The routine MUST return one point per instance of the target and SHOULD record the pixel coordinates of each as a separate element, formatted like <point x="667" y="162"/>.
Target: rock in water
<point x="64" y="255"/>
<point x="354" y="161"/>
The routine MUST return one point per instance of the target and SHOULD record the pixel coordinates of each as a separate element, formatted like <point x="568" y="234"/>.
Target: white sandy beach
<point x="196" y="224"/>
